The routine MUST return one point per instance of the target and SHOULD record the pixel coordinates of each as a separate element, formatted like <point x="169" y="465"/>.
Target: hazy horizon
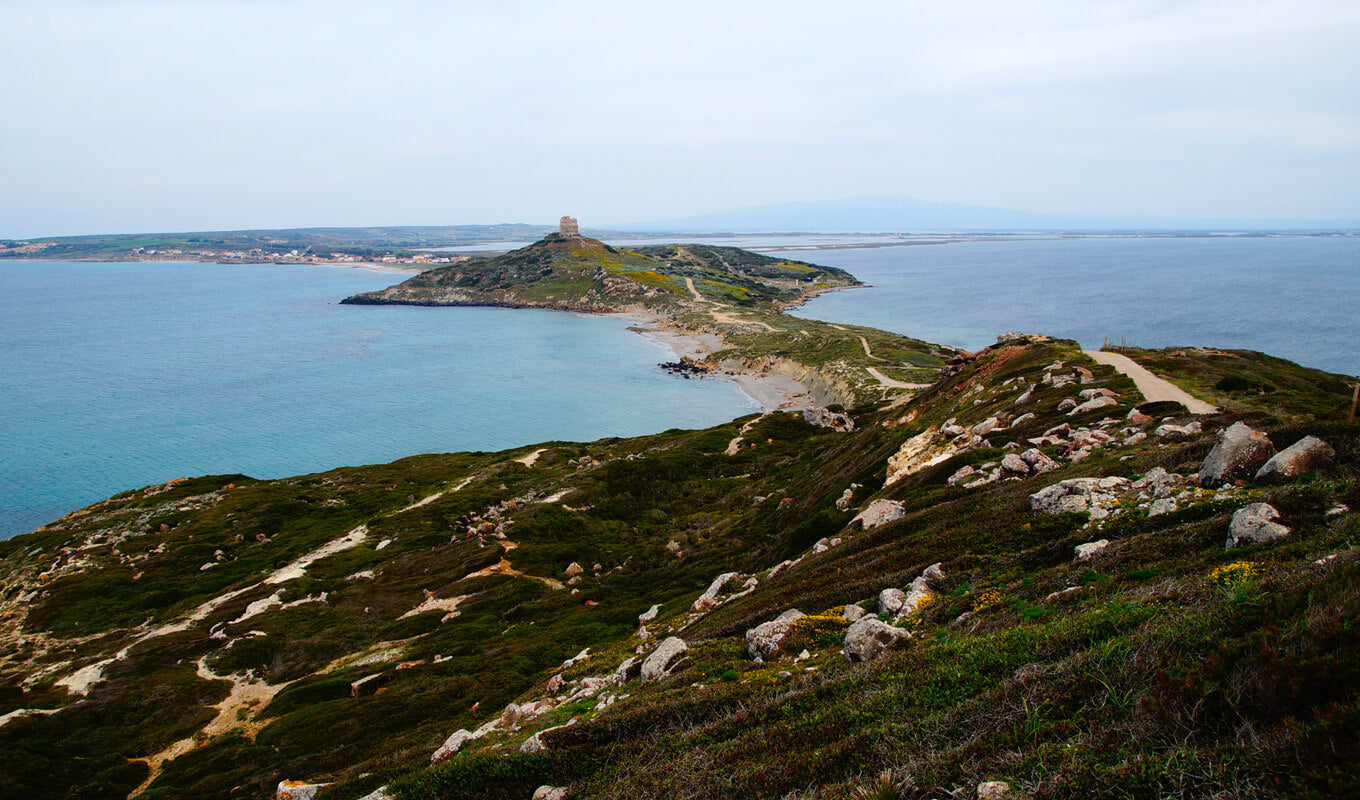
<point x="143" y="116"/>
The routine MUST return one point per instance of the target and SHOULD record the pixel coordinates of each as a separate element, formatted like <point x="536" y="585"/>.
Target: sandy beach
<point x="771" y="392"/>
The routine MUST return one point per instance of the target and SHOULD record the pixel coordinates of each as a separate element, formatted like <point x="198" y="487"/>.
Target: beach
<point x="770" y="391"/>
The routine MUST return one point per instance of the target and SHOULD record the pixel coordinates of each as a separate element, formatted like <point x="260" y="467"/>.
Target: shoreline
<point x="769" y="392"/>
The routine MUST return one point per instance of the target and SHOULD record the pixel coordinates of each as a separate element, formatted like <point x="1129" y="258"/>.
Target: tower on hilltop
<point x="568" y="226"/>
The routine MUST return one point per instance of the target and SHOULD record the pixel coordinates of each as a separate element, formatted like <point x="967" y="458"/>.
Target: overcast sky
<point x="161" y="115"/>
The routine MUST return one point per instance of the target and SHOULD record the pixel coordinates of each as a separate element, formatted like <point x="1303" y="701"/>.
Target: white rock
<point x="550" y="793"/>
<point x="890" y="601"/>
<point x="649" y="614"/>
<point x="1085" y="551"/>
<point x="993" y="790"/>
<point x="709" y="598"/>
<point x="658" y="664"/>
<point x="867" y="638"/>
<point x="297" y="790"/>
<point x="452" y="745"/>
<point x="879" y="513"/>
<point x="1254" y="524"/>
<point x="764" y="640"/>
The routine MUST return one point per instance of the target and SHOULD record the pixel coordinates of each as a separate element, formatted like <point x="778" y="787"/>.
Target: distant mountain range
<point x="907" y="215"/>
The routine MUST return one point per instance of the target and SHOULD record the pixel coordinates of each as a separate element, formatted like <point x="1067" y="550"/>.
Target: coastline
<point x="769" y="392"/>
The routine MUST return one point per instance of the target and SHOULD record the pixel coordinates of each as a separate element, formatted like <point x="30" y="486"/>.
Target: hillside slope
<point x="518" y="616"/>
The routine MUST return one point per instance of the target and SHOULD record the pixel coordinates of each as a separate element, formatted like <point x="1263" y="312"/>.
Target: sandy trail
<point x="733" y="319"/>
<point x="1155" y="389"/>
<point x="892" y="383"/>
<point x="867" y="351"/>
<point x="689" y="284"/>
<point x="530" y="459"/>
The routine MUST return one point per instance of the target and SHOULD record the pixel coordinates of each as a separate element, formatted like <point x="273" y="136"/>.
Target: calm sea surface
<point x="1293" y="297"/>
<point x="115" y="376"/>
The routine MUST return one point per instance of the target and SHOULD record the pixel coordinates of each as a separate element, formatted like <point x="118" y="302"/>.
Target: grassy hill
<point x="214" y="636"/>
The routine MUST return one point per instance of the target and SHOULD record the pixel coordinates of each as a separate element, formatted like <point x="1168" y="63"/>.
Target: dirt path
<point x="732" y="319"/>
<point x="529" y="460"/>
<point x="892" y="383"/>
<point x="689" y="284"/>
<point x="1153" y="388"/>
<point x="867" y="351"/>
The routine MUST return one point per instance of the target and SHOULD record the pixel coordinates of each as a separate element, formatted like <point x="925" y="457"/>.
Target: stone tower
<point x="568" y="226"/>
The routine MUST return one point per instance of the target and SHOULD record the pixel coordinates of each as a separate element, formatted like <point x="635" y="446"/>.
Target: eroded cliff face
<point x="824" y="384"/>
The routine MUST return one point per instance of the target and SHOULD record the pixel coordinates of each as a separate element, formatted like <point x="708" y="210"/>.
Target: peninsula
<point x="995" y="574"/>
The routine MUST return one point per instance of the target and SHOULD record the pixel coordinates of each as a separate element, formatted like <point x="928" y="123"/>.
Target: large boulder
<point x="764" y="640"/>
<point x="879" y="513"/>
<point x="1254" y="524"/>
<point x="1092" y="405"/>
<point x="1038" y="462"/>
<point x="1305" y="455"/>
<point x="890" y="601"/>
<point x="1239" y="453"/>
<point x="869" y="637"/>
<point x="658" y="664"/>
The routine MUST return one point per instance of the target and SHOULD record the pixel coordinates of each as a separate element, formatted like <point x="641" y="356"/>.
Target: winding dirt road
<point x="1153" y="388"/>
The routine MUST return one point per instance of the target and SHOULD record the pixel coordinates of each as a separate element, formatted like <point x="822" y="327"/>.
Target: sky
<point x="128" y="116"/>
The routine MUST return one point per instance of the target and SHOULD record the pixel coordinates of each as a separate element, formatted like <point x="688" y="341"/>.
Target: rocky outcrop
<point x="764" y="640"/>
<point x="879" y="513"/>
<point x="709" y="598"/>
<point x="550" y="793"/>
<point x="1305" y="455"/>
<point x="452" y="745"/>
<point x="1239" y="453"/>
<point x="660" y="662"/>
<point x="1255" y="524"/>
<point x="825" y="418"/>
<point x="869" y="637"/>
<point x="1095" y="496"/>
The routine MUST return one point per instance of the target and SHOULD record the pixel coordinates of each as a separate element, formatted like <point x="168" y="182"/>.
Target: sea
<point x="115" y="376"/>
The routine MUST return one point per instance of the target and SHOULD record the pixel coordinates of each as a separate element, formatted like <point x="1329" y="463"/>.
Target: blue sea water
<point x="1296" y="297"/>
<point x="119" y="375"/>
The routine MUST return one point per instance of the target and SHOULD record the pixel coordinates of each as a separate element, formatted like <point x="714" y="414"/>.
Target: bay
<point x="119" y="375"/>
<point x="1295" y="297"/>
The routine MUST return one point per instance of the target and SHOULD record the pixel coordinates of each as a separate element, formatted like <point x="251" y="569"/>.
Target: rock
<point x="1337" y="508"/>
<point x="843" y="502"/>
<point x="890" y="601"/>
<point x="962" y="475"/>
<point x="869" y="637"/>
<point x="1254" y="524"/>
<point x="1167" y="429"/>
<point x="1134" y="439"/>
<point x="764" y="640"/>
<point x="1013" y="465"/>
<point x="1305" y="455"/>
<point x="920" y="451"/>
<point x="879" y="513"/>
<point x="852" y="612"/>
<point x="1037" y="461"/>
<point x="451" y="746"/>
<point x="824" y="418"/>
<point x="534" y="744"/>
<point x="993" y="790"/>
<point x="649" y="614"/>
<point x="1022" y="419"/>
<point x="297" y="790"/>
<point x="1162" y="505"/>
<point x="379" y="793"/>
<point x="550" y="793"/>
<point x="658" y="664"/>
<point x="1067" y="404"/>
<point x="1026" y="398"/>
<point x="574" y="569"/>
<point x="1138" y="418"/>
<point x="627" y="670"/>
<point x="1085" y="551"/>
<point x="709" y="598"/>
<point x="1092" y="404"/>
<point x="554" y="683"/>
<point x="1239" y="453"/>
<point x="986" y="426"/>
<point x="1095" y="496"/>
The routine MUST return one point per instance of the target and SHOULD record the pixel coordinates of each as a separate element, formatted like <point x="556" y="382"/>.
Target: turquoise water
<point x="119" y="375"/>
<point x="1292" y="297"/>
